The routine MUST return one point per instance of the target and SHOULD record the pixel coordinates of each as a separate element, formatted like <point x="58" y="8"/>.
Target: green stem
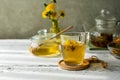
<point x="55" y="27"/>
<point x="54" y="1"/>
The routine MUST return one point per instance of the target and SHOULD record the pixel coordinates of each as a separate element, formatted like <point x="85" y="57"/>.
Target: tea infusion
<point x="73" y="52"/>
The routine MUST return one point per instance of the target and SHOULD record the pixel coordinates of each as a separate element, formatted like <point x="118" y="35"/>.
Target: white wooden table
<point x="17" y="63"/>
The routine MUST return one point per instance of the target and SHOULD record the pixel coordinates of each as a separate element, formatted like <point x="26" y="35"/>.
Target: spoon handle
<point x="64" y="30"/>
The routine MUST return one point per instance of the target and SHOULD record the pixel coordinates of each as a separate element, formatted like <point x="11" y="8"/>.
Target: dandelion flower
<point x="53" y="15"/>
<point x="50" y="7"/>
<point x="44" y="14"/>
<point x="62" y="14"/>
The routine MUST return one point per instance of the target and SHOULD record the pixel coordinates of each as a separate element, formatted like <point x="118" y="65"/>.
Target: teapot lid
<point x="105" y="16"/>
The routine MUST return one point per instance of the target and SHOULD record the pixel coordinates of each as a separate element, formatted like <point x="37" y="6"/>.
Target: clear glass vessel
<point x="104" y="30"/>
<point x="73" y="47"/>
<point x="41" y="45"/>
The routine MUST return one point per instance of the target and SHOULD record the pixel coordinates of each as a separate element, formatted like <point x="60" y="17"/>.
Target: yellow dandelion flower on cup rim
<point x="50" y="7"/>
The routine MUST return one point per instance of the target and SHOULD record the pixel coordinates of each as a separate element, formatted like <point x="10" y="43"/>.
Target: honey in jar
<point x="42" y="46"/>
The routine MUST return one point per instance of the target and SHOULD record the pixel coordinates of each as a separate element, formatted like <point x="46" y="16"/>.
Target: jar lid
<point x="40" y="38"/>
<point x="105" y="16"/>
<point x="42" y="32"/>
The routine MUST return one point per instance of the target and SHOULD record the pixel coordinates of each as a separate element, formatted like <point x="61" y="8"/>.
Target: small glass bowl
<point x="114" y="49"/>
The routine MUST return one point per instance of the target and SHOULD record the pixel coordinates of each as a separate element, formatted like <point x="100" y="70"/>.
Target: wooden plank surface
<point x="17" y="63"/>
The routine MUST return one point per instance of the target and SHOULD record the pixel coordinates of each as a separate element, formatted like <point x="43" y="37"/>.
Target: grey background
<point x="21" y="19"/>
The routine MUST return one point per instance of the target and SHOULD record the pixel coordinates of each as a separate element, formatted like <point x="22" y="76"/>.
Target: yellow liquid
<point x="48" y="49"/>
<point x="74" y="55"/>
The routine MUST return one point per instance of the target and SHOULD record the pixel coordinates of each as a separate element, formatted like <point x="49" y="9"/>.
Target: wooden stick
<point x="58" y="34"/>
<point x="64" y="30"/>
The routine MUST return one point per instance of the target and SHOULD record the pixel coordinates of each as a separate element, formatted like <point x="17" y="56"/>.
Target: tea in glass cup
<point x="73" y="47"/>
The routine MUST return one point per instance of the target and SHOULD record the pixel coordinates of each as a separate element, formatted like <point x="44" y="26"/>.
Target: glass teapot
<point x="42" y="46"/>
<point x="104" y="29"/>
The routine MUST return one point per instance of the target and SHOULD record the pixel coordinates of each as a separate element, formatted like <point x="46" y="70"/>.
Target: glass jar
<point x="41" y="45"/>
<point x="104" y="30"/>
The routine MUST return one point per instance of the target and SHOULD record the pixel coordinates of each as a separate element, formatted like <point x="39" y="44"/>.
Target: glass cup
<point x="73" y="46"/>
